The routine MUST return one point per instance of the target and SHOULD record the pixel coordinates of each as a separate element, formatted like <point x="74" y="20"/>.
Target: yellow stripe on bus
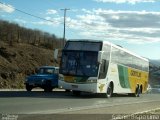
<point x="137" y="77"/>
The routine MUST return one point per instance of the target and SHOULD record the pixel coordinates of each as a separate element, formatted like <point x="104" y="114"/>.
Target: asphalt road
<point x="59" y="102"/>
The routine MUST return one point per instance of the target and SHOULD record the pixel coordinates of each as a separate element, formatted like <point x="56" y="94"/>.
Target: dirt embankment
<point x="20" y="60"/>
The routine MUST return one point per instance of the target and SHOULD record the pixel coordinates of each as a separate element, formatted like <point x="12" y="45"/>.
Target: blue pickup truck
<point x="46" y="78"/>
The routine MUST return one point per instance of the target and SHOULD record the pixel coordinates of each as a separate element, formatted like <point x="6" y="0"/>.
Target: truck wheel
<point x="48" y="87"/>
<point x="28" y="87"/>
<point x="48" y="90"/>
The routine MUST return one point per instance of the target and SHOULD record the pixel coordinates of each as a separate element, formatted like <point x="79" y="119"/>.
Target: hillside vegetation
<point x="12" y="33"/>
<point x="21" y="51"/>
<point x="20" y="60"/>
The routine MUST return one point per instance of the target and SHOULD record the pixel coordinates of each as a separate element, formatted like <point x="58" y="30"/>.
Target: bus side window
<point x="103" y="70"/>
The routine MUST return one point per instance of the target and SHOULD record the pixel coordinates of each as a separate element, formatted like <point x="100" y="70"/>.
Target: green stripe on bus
<point x="123" y="76"/>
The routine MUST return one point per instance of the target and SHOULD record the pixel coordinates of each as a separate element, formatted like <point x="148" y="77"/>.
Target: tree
<point x="13" y="33"/>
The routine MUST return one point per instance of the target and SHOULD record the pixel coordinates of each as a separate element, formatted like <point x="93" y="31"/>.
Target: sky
<point x="133" y="24"/>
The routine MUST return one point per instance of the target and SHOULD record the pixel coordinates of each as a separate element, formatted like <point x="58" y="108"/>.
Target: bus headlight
<point x="61" y="77"/>
<point x="92" y="81"/>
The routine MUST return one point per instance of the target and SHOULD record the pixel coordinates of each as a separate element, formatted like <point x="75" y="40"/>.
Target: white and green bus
<point x="102" y="67"/>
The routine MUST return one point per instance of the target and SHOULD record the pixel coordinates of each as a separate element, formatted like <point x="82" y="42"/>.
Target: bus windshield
<point x="79" y="63"/>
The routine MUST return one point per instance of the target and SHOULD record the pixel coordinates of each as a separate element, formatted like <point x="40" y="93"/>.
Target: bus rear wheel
<point x="137" y="92"/>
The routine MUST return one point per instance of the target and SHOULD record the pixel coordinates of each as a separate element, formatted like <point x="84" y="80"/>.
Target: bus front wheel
<point x="76" y="93"/>
<point x="109" y="91"/>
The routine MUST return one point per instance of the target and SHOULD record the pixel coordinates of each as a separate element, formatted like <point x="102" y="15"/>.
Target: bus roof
<point x="108" y="43"/>
<point x="84" y="40"/>
<point x="126" y="50"/>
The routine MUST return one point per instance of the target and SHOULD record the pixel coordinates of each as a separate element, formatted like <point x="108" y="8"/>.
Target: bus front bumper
<point x="84" y="87"/>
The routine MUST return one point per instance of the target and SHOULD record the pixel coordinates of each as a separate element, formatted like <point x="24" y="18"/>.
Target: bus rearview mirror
<point x="56" y="54"/>
<point x="100" y="53"/>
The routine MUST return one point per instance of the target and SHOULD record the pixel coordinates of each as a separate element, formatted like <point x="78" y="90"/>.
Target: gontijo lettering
<point x="135" y="73"/>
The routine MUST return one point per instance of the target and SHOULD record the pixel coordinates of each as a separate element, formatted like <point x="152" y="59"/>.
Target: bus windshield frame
<point x="79" y="63"/>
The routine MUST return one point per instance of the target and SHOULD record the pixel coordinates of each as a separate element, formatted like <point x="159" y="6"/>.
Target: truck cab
<point x="46" y="77"/>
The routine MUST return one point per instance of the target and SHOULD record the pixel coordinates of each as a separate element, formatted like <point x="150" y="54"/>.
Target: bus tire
<point x="141" y="89"/>
<point x="109" y="91"/>
<point x="76" y="93"/>
<point x="137" y="92"/>
<point x="67" y="90"/>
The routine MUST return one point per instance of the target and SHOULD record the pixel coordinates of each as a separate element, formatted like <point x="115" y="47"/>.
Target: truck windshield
<point x="79" y="63"/>
<point x="46" y="71"/>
